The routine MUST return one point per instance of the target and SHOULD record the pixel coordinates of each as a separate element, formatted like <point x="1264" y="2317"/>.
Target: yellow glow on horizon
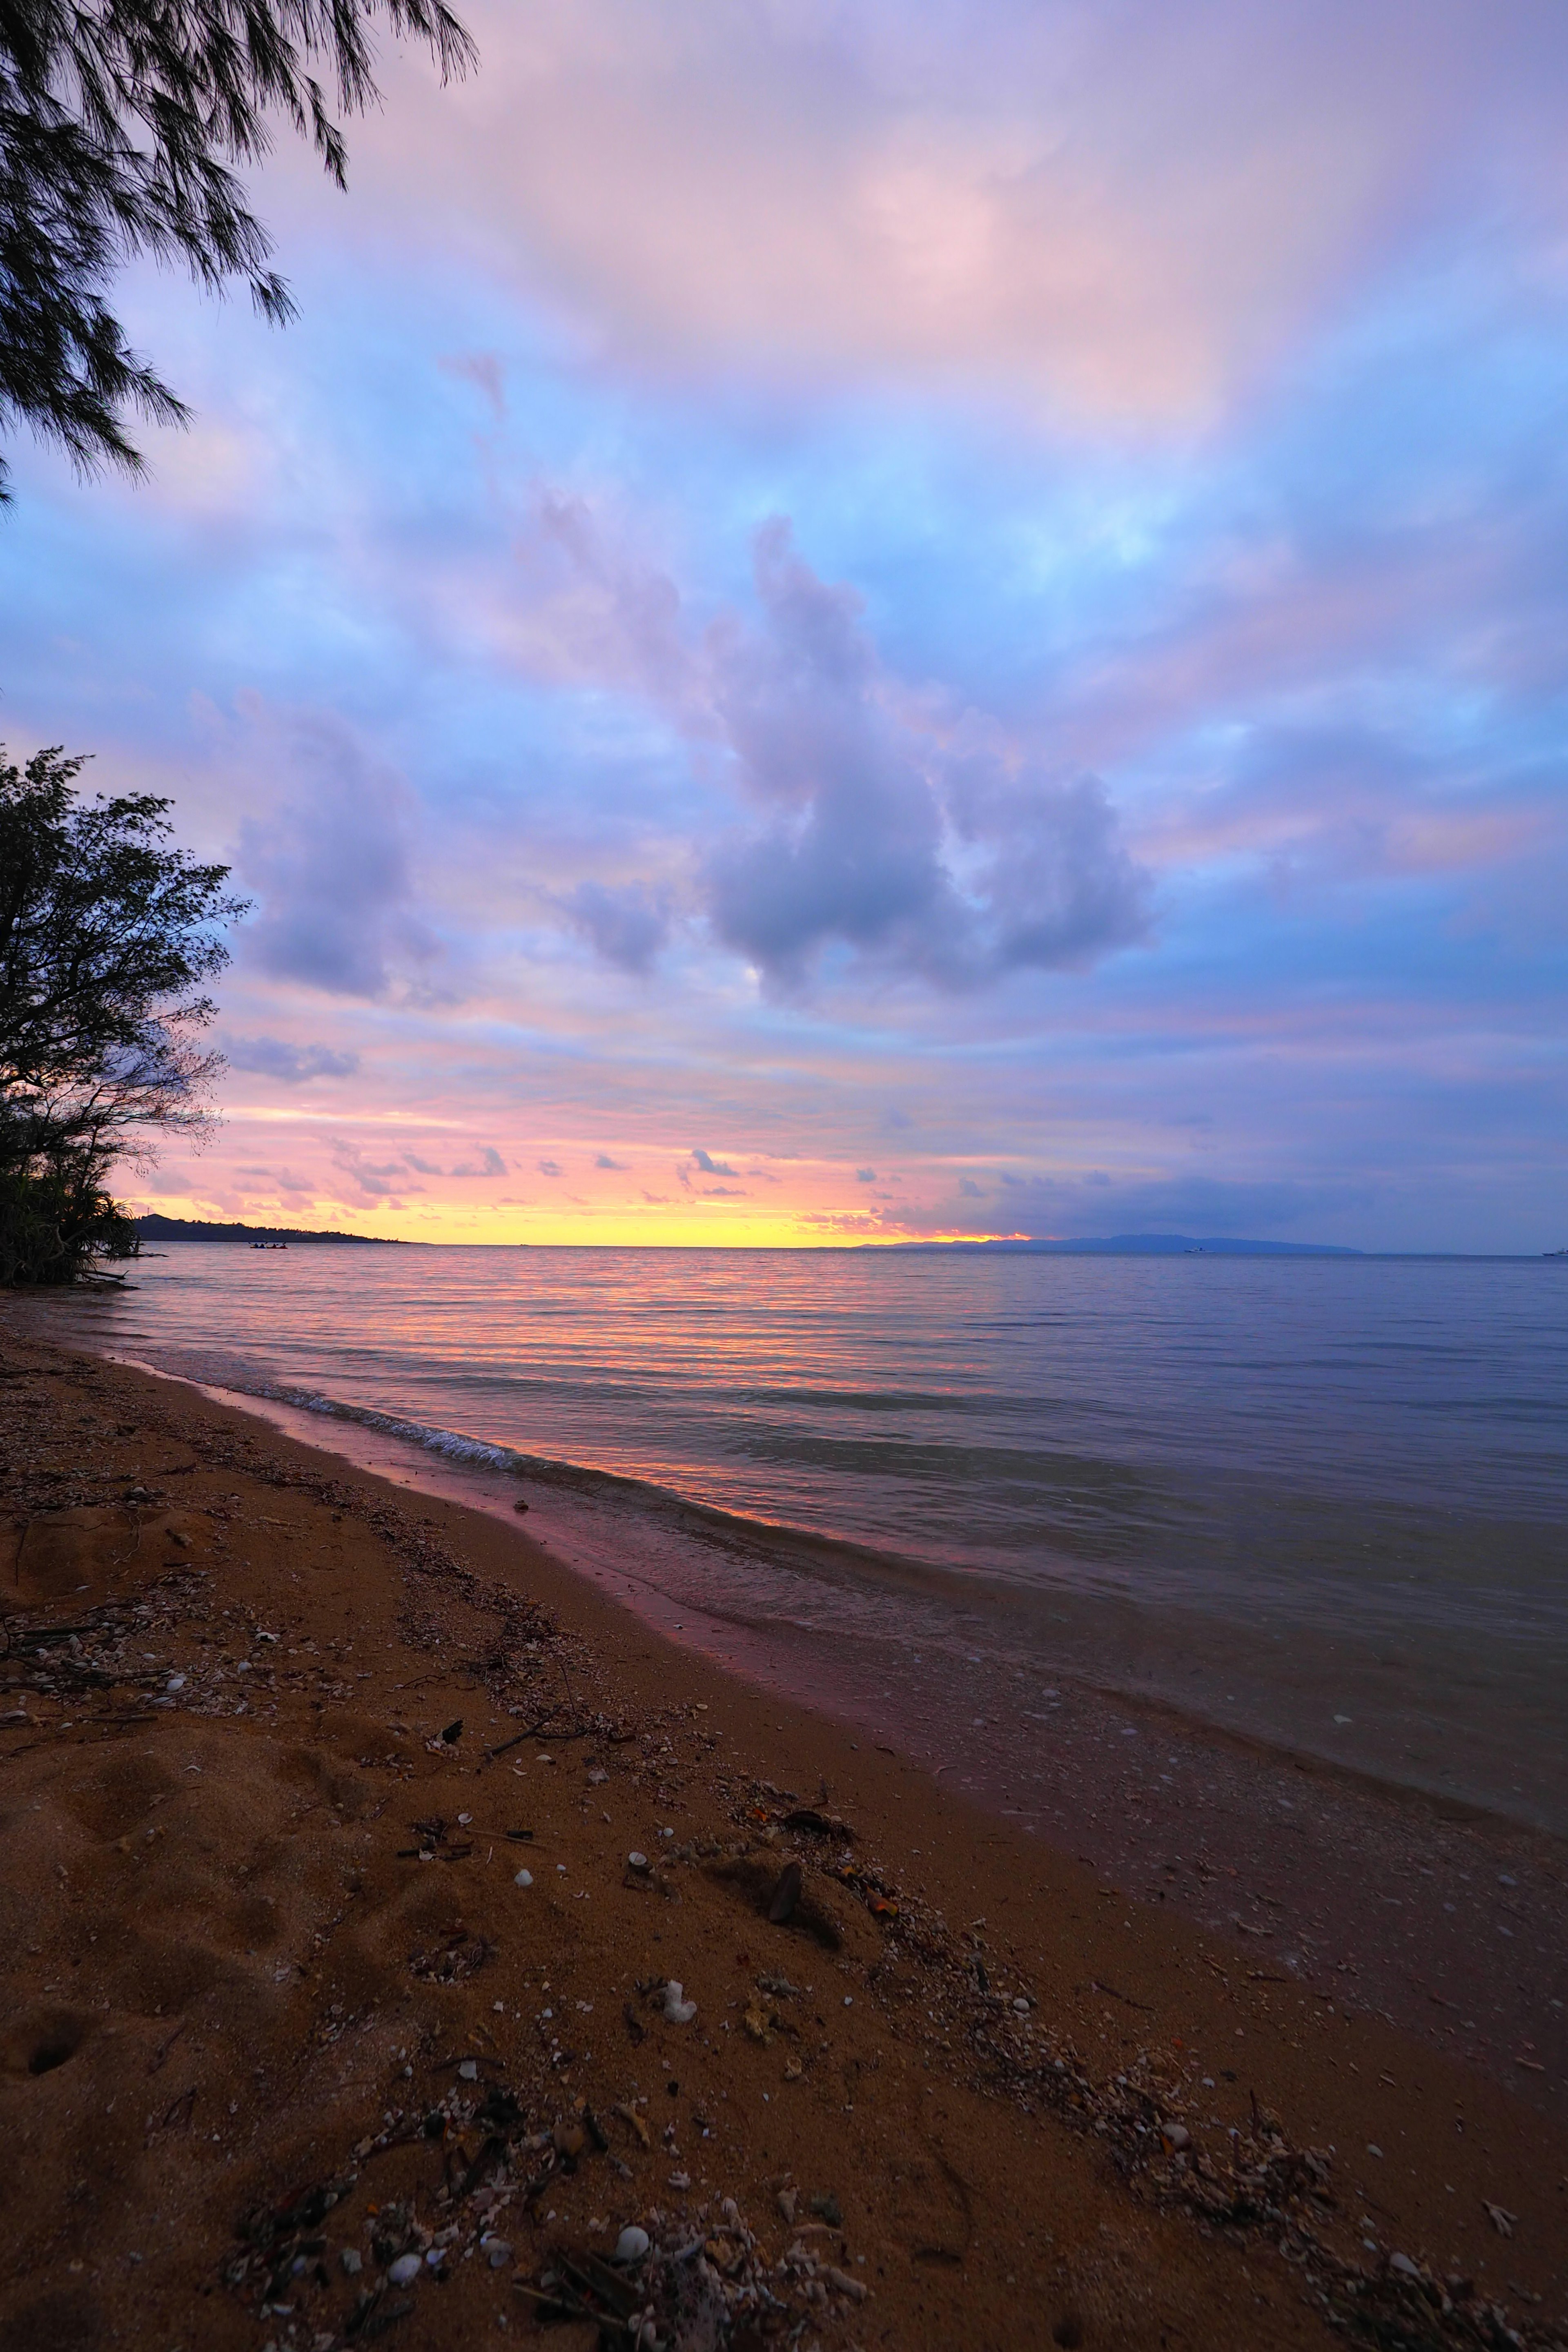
<point x="694" y="1225"/>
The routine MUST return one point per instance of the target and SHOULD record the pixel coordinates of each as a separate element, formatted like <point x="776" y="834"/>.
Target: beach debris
<point x="523" y="1878"/>
<point x="351" y="2261"/>
<point x="638" y="2123"/>
<point x="498" y="2251"/>
<point x="788" y="2203"/>
<point x="520" y="1505"/>
<point x="680" y="2181"/>
<point x="676" y="2010"/>
<point x="453" y="1731"/>
<point x="460" y="1958"/>
<point x="637" y="1862"/>
<point x="405" y="2270"/>
<point x="1501" y="2219"/>
<point x="828" y="2210"/>
<point x="815" y="1824"/>
<point x="1176" y="2137"/>
<point x="689" y="2287"/>
<point x="785" y="1894"/>
<point x="585" y="2286"/>
<point x="436" y="1843"/>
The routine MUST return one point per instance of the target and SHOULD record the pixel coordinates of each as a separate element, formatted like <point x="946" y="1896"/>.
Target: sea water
<point x="1323" y="1501"/>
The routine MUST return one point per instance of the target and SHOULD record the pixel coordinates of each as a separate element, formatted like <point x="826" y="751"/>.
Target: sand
<point x="276" y="1741"/>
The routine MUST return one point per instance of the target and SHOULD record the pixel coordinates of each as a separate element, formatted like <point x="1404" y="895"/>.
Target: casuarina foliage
<point x="120" y="124"/>
<point x="107" y="936"/>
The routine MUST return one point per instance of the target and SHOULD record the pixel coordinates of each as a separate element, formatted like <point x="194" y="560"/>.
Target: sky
<point x="853" y="622"/>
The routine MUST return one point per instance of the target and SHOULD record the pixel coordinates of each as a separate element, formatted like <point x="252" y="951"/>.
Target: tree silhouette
<point x="106" y="938"/>
<point x="121" y="121"/>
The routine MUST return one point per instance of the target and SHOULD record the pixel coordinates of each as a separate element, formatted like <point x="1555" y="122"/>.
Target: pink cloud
<point x="1122" y="213"/>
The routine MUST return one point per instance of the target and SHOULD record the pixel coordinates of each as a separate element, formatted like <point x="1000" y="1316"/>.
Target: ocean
<point x="1322" y="1503"/>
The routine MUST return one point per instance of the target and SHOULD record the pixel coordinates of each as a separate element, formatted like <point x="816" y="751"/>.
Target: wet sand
<point x="1447" y="1920"/>
<point x="274" y="1997"/>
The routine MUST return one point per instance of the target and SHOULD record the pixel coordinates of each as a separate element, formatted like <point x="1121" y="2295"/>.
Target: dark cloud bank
<point x="930" y="848"/>
<point x="913" y="839"/>
<point x="333" y="873"/>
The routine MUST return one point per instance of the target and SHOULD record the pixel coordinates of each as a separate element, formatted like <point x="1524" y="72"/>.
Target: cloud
<point x="549" y="1168"/>
<point x="332" y="870"/>
<point x="376" y="1181"/>
<point x="1119" y="211"/>
<point x="589" y="605"/>
<point x="864" y="1175"/>
<point x="489" y="1163"/>
<point x="484" y="370"/>
<point x="935" y="850"/>
<point x="627" y="924"/>
<point x="917" y="834"/>
<point x="280" y="1180"/>
<point x="602" y="1159"/>
<point x="275" y="1057"/>
<point x="1091" y="1203"/>
<point x="708" y="1166"/>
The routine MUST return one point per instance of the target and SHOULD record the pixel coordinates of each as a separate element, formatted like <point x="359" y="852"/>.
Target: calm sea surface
<point x="1322" y="1500"/>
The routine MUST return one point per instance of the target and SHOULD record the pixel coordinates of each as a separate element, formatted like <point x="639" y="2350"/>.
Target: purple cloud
<point x="489" y="1163"/>
<point x="933" y="850"/>
<point x="275" y="1057"/>
<point x="627" y="925"/>
<point x="332" y="871"/>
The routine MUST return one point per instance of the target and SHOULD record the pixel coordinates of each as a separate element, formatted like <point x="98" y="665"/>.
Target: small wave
<point x="484" y="1453"/>
<point x="737" y="1537"/>
<point x="451" y="1443"/>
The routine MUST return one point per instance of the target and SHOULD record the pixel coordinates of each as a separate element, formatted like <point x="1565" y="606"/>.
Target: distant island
<point x="154" y="1228"/>
<point x="1133" y="1245"/>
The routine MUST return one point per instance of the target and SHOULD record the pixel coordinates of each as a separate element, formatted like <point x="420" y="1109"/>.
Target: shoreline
<point x="1305" y="1855"/>
<point x="1419" y="1642"/>
<point x="1055" y="2223"/>
<point x="1089" y="1625"/>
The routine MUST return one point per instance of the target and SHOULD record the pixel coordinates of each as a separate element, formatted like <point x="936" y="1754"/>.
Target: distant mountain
<point x="154" y="1228"/>
<point x="1137" y="1246"/>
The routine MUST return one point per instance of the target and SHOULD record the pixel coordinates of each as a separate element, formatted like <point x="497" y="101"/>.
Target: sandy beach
<point x="393" y="1921"/>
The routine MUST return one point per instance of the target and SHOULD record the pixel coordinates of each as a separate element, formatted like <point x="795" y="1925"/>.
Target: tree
<point x="119" y="120"/>
<point x="106" y="938"/>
